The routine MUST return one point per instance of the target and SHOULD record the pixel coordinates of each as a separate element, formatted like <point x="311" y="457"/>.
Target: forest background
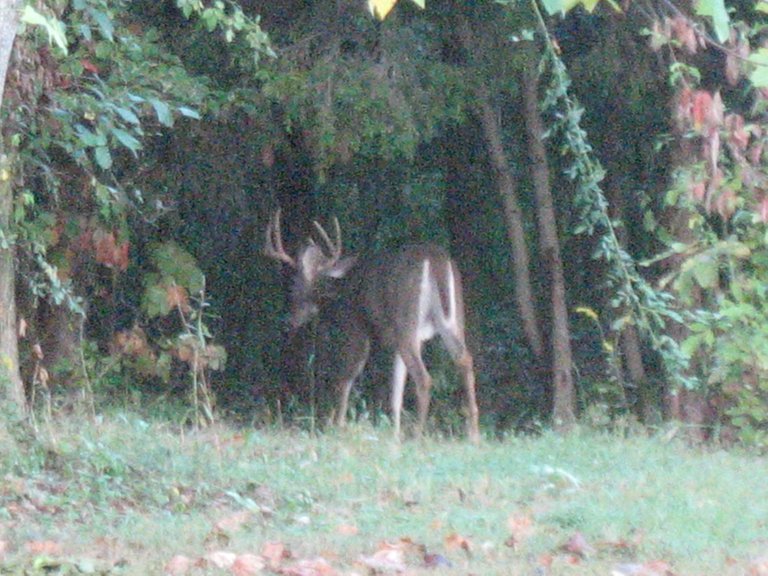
<point x="595" y="169"/>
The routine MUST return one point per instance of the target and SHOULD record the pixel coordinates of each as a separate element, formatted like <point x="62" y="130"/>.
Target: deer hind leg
<point x="399" y="375"/>
<point x="465" y="364"/>
<point x="357" y="356"/>
<point x="410" y="362"/>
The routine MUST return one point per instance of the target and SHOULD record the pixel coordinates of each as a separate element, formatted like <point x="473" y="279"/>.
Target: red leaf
<point x="89" y="66"/>
<point x="701" y="109"/>
<point x="578" y="545"/>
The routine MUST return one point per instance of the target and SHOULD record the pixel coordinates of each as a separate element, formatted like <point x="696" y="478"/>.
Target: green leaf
<point x="706" y="271"/>
<point x="154" y="302"/>
<point x="163" y="112"/>
<point x="54" y="27"/>
<point x="178" y="264"/>
<point x="715" y="9"/>
<point x="759" y="76"/>
<point x="105" y="24"/>
<point x="127" y="139"/>
<point x="88" y="138"/>
<point x="103" y="157"/>
<point x="189" y="112"/>
<point x="128" y="115"/>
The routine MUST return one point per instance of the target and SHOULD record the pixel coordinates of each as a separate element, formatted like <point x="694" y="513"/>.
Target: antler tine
<point x="333" y="247"/>
<point x="273" y="246"/>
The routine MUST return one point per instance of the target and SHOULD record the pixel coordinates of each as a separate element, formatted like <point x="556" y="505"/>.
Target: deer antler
<point x="273" y="247"/>
<point x="334" y="248"/>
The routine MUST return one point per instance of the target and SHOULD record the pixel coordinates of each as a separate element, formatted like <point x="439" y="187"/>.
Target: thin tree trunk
<point x="11" y="387"/>
<point x="564" y="408"/>
<point x="507" y="187"/>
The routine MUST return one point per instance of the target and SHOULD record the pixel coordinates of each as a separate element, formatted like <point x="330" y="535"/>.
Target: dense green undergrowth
<point x="124" y="496"/>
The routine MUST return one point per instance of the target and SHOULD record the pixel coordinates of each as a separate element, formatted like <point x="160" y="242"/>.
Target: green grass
<point x="125" y="495"/>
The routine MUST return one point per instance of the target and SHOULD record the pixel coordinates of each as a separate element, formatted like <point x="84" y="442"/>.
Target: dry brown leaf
<point x="44" y="548"/>
<point x="456" y="542"/>
<point x="221" y="559"/>
<point x="520" y="528"/>
<point x="233" y="522"/>
<point x="178" y="565"/>
<point x="390" y="559"/>
<point x="177" y="297"/>
<point x="347" y="529"/>
<point x="275" y="553"/>
<point x="247" y="565"/>
<point x="314" y="567"/>
<point x="577" y="544"/>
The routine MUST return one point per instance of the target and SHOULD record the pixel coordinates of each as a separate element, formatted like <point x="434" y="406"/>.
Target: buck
<point x="401" y="299"/>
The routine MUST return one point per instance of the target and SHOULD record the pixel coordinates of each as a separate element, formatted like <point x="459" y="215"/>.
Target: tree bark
<point x="564" y="409"/>
<point x="11" y="386"/>
<point x="507" y="187"/>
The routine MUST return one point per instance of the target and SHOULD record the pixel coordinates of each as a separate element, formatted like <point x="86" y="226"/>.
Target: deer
<point x="399" y="298"/>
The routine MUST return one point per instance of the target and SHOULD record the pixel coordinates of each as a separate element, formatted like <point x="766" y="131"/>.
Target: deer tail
<point x="445" y="277"/>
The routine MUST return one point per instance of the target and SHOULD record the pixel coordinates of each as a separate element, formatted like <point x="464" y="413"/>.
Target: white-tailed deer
<point x="402" y="299"/>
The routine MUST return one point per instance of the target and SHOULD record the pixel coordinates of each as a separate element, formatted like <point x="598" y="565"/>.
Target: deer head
<point x="312" y="264"/>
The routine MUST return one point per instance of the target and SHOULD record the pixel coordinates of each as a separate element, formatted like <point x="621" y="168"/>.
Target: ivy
<point x="639" y="302"/>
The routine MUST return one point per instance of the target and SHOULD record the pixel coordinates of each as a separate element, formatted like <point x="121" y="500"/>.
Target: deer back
<point x="407" y="294"/>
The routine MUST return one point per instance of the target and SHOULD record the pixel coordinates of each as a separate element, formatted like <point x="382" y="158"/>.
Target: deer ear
<point x="340" y="269"/>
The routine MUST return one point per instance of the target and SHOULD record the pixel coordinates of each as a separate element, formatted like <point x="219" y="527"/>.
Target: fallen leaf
<point x="247" y="565"/>
<point x="456" y="542"/>
<point x="577" y="544"/>
<point x="43" y="548"/>
<point x="275" y="553"/>
<point x="436" y="561"/>
<point x="314" y="567"/>
<point x="233" y="522"/>
<point x="520" y="528"/>
<point x="221" y="559"/>
<point x="386" y="560"/>
<point x="178" y="565"/>
<point x="347" y="529"/>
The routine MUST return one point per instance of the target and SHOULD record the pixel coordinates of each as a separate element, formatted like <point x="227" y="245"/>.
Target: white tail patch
<point x="427" y="292"/>
<point x="452" y="307"/>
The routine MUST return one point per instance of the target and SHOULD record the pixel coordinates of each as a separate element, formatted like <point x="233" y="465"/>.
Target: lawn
<point x="124" y="495"/>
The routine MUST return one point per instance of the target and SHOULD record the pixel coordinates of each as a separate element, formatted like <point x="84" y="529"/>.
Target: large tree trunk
<point x="564" y="408"/>
<point x="11" y="387"/>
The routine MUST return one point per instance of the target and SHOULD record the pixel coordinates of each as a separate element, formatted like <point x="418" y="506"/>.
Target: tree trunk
<point x="564" y="409"/>
<point x="11" y="387"/>
<point x="507" y="187"/>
